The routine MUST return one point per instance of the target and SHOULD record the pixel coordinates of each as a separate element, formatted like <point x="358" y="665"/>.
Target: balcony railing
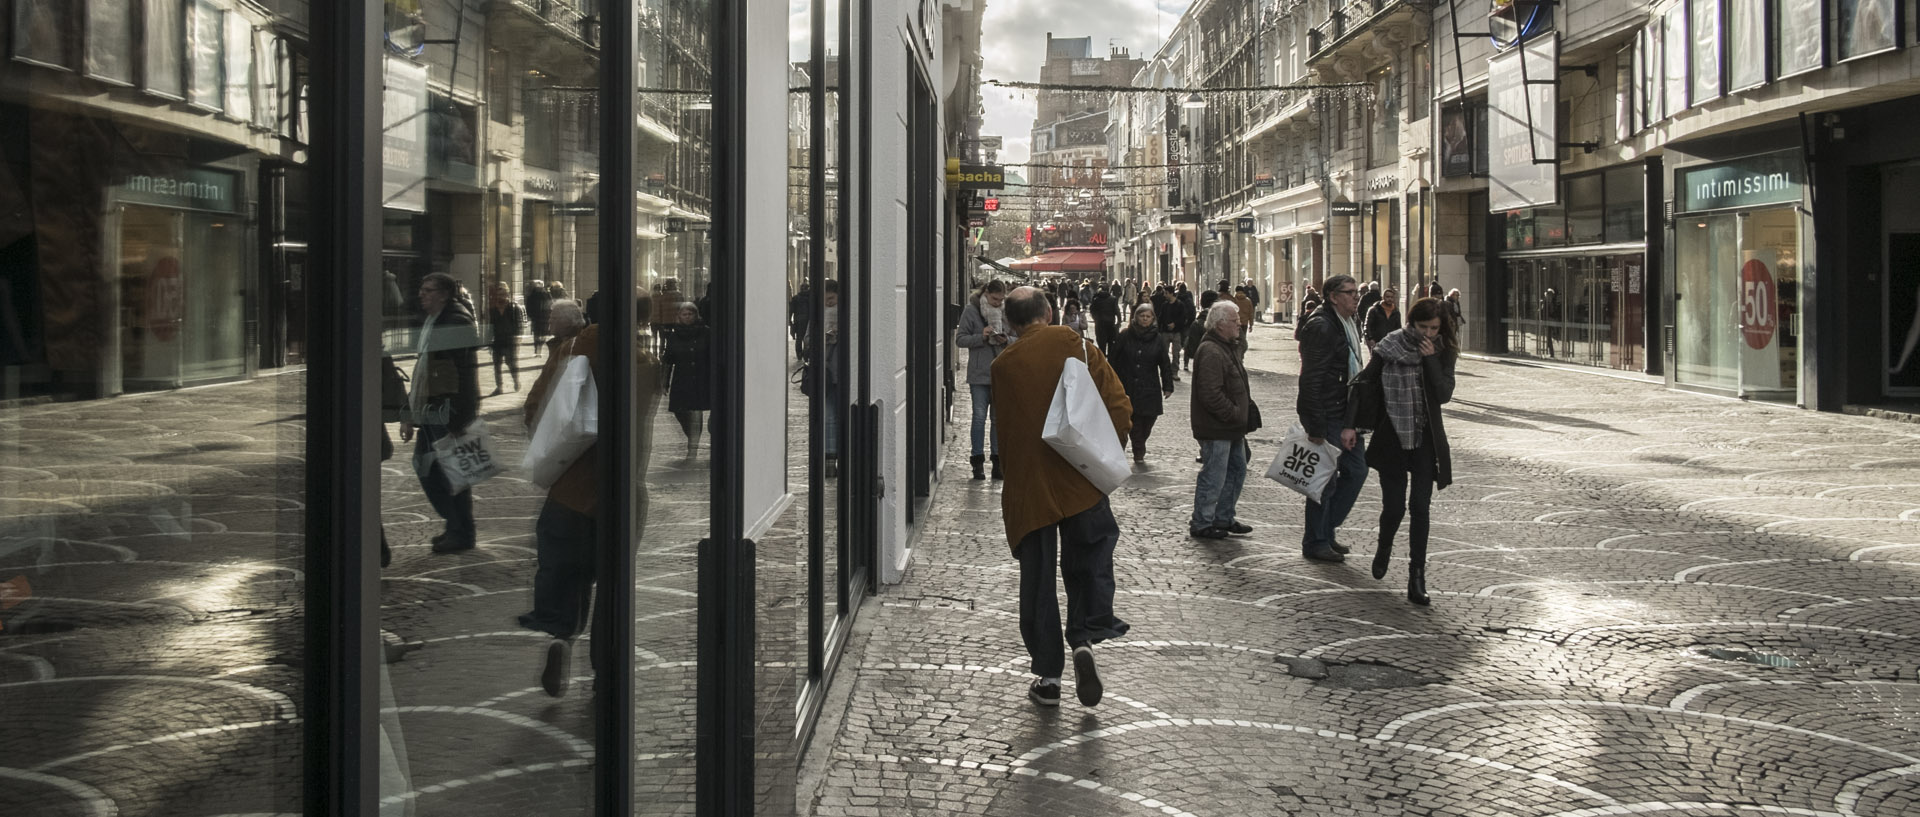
<point x="1345" y="19"/>
<point x="571" y="16"/>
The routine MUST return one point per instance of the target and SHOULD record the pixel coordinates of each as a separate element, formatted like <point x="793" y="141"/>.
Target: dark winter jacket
<point x="453" y="367"/>
<point x="1324" y="357"/>
<point x="689" y="360"/>
<point x="1380" y="323"/>
<point x="505" y="324"/>
<point x="1436" y="386"/>
<point x="1140" y="357"/>
<point x="1220" y="397"/>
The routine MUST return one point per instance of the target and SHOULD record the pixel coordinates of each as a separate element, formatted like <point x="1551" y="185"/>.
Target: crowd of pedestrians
<point x="1371" y="387"/>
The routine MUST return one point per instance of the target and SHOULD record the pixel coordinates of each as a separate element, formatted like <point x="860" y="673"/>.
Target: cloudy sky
<point x="1013" y="44"/>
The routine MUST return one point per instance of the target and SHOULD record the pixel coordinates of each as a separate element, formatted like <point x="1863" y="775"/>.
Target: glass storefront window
<point x="1582" y="195"/>
<point x="1705" y="312"/>
<point x="1626" y="215"/>
<point x="1737" y="293"/>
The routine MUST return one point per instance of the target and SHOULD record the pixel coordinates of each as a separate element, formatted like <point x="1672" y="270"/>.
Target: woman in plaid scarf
<point x="1416" y="378"/>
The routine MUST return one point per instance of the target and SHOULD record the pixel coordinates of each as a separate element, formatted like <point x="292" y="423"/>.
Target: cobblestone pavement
<point x="1644" y="602"/>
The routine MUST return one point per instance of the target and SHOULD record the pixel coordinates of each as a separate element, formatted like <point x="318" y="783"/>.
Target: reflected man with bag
<point x="565" y="533"/>
<point x="1053" y="512"/>
<point x="445" y="399"/>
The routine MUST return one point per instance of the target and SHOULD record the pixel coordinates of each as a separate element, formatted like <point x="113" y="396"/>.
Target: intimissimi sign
<point x="192" y="189"/>
<point x="1772" y="178"/>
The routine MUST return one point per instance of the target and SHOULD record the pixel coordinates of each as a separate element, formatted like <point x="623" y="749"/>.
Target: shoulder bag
<point x="1366" y="400"/>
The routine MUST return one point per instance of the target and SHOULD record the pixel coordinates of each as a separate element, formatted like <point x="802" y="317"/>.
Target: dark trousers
<point x="456" y="509"/>
<point x="509" y="355"/>
<point x="1103" y="334"/>
<point x="1416" y="465"/>
<point x="1082" y="545"/>
<point x="1142" y="427"/>
<point x="1326" y="516"/>
<point x="564" y="542"/>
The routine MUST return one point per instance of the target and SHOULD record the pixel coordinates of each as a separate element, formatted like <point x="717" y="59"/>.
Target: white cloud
<point x="1014" y="41"/>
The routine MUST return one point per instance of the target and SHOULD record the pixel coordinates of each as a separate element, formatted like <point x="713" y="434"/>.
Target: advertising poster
<point x="1522" y="139"/>
<point x="1705" y="26"/>
<point x="1456" y="146"/>
<point x="1746" y="45"/>
<point x="1674" y="24"/>
<point x="1759" y="320"/>
<point x="1802" y="29"/>
<point x="163" y="71"/>
<point x="205" y="32"/>
<point x="238" y="76"/>
<point x="1867" y="27"/>
<point x="403" y="132"/>
<point x="109" y="52"/>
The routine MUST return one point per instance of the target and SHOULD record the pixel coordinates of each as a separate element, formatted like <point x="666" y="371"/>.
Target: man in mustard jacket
<point x="1053" y="513"/>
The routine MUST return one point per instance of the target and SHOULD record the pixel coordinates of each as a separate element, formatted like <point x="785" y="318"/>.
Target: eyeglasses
<point x="1345" y="291"/>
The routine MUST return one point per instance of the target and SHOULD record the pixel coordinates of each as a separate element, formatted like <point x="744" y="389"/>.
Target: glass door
<point x="1766" y="291"/>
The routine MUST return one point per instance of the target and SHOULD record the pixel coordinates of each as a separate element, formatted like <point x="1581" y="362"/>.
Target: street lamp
<point x="1194" y="102"/>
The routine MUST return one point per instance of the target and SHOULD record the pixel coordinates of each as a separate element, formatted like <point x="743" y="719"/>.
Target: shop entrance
<point x="1900" y="317"/>
<point x="182" y="305"/>
<point x="1736" y="311"/>
<point x="1581" y="309"/>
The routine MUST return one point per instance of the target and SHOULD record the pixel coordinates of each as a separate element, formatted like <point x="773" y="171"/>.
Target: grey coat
<point x="971" y="335"/>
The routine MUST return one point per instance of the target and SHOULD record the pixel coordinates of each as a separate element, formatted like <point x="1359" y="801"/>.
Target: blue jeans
<point x="982" y="409"/>
<point x="1325" y="516"/>
<point x="1083" y="546"/>
<point x="456" y="509"/>
<point x="1216" y="493"/>
<point x="563" y="581"/>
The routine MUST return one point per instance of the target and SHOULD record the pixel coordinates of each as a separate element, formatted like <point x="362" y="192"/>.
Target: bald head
<point x="1027" y="306"/>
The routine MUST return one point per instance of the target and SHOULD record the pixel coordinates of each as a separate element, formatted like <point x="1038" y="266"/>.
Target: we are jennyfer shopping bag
<point x="1081" y="431"/>
<point x="467" y="459"/>
<point x="1304" y="466"/>
<point x="568" y="424"/>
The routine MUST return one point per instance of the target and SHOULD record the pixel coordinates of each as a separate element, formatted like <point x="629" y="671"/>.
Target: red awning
<point x="1064" y="261"/>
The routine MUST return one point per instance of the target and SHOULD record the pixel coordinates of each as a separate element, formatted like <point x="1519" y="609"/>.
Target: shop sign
<point x="1343" y="208"/>
<point x="977" y="221"/>
<point x="1633" y="279"/>
<point x="976" y="177"/>
<point x="197" y="188"/>
<point x="1263" y="180"/>
<point x="1773" y="178"/>
<point x="676" y="225"/>
<point x="1243" y="224"/>
<point x="1523" y="93"/>
<point x="403" y="136"/>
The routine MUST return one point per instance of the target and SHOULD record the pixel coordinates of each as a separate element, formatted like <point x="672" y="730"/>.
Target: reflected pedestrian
<point x="1052" y="513"/>
<point x="444" y="400"/>
<point x="503" y="319"/>
<point x="565" y="535"/>
<point x="689" y="363"/>
<point x="1416" y="377"/>
<point x="539" y="301"/>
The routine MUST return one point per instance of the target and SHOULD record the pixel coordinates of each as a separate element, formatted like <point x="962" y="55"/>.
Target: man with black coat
<point x="1329" y="358"/>
<point x="1187" y="316"/>
<point x="539" y="305"/>
<point x="1105" y="308"/>
<point x="1369" y="295"/>
<point x="444" y="399"/>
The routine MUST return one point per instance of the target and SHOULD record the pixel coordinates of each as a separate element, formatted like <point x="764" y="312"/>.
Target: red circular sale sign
<point x="1759" y="310"/>
<point x="166" y="299"/>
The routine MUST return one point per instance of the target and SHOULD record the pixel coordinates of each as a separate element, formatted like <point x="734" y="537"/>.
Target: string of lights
<point x="1135" y="89"/>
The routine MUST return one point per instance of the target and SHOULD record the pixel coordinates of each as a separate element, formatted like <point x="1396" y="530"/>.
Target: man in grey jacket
<point x="983" y="332"/>
<point x="1329" y="357"/>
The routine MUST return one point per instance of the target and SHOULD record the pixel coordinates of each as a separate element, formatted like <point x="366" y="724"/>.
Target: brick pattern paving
<point x="1644" y="602"/>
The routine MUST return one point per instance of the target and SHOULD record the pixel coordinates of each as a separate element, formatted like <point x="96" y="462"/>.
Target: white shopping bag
<point x="1081" y="431"/>
<point x="1303" y="466"/>
<point x="567" y="425"/>
<point x="467" y="459"/>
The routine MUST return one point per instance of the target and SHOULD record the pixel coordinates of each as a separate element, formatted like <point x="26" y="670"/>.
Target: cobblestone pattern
<point x="1644" y="602"/>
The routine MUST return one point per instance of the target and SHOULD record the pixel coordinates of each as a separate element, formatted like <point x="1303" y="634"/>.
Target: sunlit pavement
<point x="1644" y="602"/>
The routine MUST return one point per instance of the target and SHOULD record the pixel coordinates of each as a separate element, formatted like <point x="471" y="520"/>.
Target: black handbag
<point x="1366" y="399"/>
<point x="1253" y="416"/>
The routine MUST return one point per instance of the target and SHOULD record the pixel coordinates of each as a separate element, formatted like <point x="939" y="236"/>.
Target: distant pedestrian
<point x="1223" y="413"/>
<point x="1369" y="295"/>
<point x="1140" y="358"/>
<point x="538" y="302"/>
<point x="1243" y="304"/>
<point x="1072" y="318"/>
<point x="1105" y="308"/>
<point x="799" y="319"/>
<point x="1197" y="328"/>
<point x="983" y="333"/>
<point x="1329" y="358"/>
<point x="1052" y="513"/>
<point x="1253" y="294"/>
<point x="1453" y="307"/>
<point x="503" y="321"/>
<point x="444" y="400"/>
<point x="1382" y="319"/>
<point x="688" y="359"/>
<point x="1416" y="377"/>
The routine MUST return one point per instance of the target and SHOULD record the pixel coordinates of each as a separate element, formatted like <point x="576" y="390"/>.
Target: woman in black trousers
<point x="1139" y="356"/>
<point x="1410" y="446"/>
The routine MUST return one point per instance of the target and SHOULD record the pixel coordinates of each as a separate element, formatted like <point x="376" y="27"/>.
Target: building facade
<point x="234" y="576"/>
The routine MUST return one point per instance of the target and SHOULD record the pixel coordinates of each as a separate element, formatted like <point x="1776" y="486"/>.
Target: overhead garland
<point x="1357" y="88"/>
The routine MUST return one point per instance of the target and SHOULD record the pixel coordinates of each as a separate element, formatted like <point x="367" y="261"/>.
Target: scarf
<point x="1400" y="383"/>
<point x="1353" y="344"/>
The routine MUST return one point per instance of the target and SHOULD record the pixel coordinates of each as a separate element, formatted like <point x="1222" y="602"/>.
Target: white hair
<point x="1222" y="311"/>
<point x="567" y="312"/>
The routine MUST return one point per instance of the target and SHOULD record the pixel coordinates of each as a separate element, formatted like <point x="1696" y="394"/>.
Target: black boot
<point x="979" y="467"/>
<point x="1382" y="555"/>
<point x="1417" y="573"/>
<point x="996" y="467"/>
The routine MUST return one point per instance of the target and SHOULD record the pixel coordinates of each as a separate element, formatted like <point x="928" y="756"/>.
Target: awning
<point x="1076" y="260"/>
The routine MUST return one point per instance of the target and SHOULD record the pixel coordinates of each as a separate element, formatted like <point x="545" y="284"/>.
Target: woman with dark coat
<point x="1140" y="357"/>
<point x="689" y="362"/>
<point x="1416" y="378"/>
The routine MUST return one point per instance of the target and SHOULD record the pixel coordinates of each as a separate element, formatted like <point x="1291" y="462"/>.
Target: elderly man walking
<point x="1052" y="513"/>
<point x="1329" y="357"/>
<point x="1222" y="416"/>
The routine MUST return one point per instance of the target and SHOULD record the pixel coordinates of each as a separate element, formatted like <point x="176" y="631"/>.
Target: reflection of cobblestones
<point x="1645" y="602"/>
